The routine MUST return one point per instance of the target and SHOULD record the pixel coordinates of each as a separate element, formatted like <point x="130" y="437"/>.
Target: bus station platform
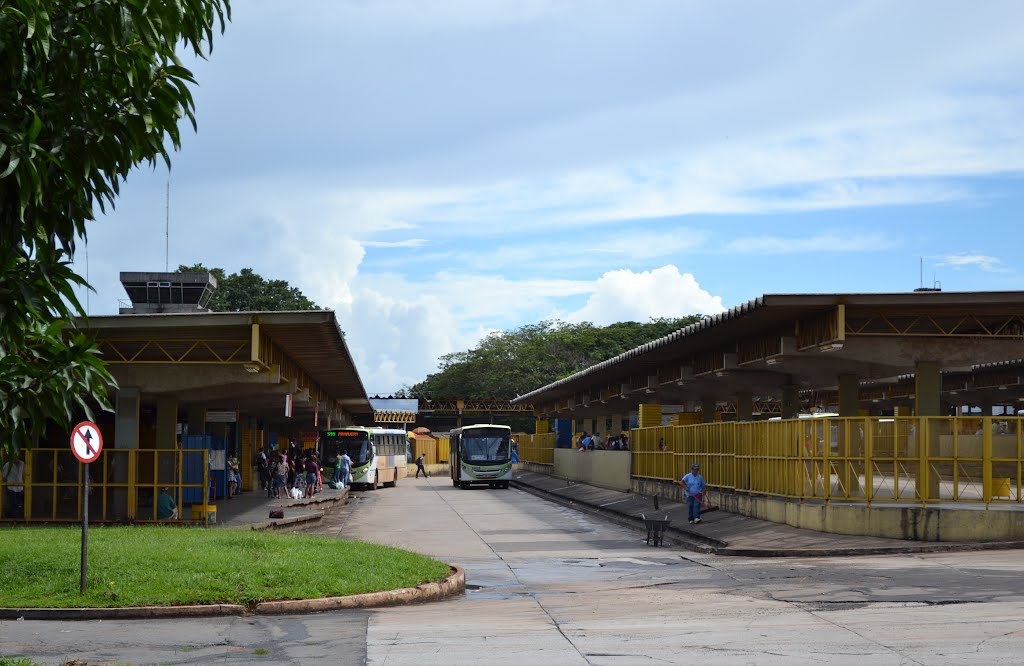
<point x="721" y="532"/>
<point x="251" y="509"/>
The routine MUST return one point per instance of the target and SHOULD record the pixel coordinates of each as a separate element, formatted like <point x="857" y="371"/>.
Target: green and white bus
<point x="379" y="455"/>
<point x="481" y="454"/>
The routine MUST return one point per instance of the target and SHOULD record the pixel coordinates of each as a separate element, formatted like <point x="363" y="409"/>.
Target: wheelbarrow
<point x="655" y="529"/>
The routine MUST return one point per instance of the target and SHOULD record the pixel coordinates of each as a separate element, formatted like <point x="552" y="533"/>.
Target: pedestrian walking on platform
<point x="420" y="467"/>
<point x="693" y="489"/>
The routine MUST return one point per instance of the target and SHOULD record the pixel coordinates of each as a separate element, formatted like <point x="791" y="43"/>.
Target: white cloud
<point x="662" y="292"/>
<point x="436" y="171"/>
<point x="812" y="242"/>
<point x="980" y="261"/>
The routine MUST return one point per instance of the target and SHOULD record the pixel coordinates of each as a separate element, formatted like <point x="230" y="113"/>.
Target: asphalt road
<point x="548" y="585"/>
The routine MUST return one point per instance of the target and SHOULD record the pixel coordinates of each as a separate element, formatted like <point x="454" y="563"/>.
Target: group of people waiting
<point x="290" y="474"/>
<point x="593" y="442"/>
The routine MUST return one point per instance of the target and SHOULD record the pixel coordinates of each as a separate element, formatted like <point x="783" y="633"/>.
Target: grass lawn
<point x="158" y="565"/>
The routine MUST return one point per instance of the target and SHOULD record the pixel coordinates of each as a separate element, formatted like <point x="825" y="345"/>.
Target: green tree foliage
<point x="88" y="90"/>
<point x="511" y="363"/>
<point x="246" y="291"/>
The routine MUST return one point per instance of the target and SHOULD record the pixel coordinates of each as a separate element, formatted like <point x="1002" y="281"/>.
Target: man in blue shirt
<point x="693" y="489"/>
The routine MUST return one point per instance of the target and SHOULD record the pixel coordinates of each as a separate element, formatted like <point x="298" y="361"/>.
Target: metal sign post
<point x="85" y="525"/>
<point x="86" y="444"/>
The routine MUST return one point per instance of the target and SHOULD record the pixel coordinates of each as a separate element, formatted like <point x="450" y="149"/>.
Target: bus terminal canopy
<point x="252" y="361"/>
<point x="807" y="342"/>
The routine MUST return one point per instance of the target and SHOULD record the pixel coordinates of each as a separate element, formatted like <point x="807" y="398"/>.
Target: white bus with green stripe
<point x="379" y="455"/>
<point x="481" y="454"/>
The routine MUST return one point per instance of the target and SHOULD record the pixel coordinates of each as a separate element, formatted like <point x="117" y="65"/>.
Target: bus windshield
<point x="353" y="442"/>
<point x="485" y="445"/>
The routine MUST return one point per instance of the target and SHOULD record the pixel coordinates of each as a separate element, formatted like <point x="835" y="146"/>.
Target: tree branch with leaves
<point x="88" y="91"/>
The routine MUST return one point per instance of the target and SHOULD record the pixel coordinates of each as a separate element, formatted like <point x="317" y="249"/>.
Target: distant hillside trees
<point x="511" y="363"/>
<point x="247" y="291"/>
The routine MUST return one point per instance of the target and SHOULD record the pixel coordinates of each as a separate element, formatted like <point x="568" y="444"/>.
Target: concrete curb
<point x="324" y="506"/>
<point x="854" y="551"/>
<point x="276" y="523"/>
<point x="696" y="542"/>
<point x="131" y="613"/>
<point x="700" y="543"/>
<point x="453" y="584"/>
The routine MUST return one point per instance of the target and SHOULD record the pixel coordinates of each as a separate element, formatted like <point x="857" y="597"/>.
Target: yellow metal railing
<point x="123" y="484"/>
<point x="919" y="459"/>
<point x="539" y="448"/>
<point x="434" y="450"/>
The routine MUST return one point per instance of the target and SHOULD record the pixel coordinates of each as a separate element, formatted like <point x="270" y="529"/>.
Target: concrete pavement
<point x="723" y="533"/>
<point x="719" y="533"/>
<point x="251" y="509"/>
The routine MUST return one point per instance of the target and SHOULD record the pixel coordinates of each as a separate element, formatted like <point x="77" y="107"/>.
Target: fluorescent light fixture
<point x="774" y="360"/>
<point x="251" y="368"/>
<point x="831" y="346"/>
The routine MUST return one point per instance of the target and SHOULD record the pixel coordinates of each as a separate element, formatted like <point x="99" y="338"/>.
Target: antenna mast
<point x="167" y="228"/>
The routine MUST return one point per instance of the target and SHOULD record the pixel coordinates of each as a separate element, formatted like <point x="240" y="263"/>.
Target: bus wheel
<point x="394" y="484"/>
<point x="455" y="484"/>
<point x="376" y="483"/>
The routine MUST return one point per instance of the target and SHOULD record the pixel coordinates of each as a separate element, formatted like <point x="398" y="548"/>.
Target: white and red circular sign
<point x="86" y="441"/>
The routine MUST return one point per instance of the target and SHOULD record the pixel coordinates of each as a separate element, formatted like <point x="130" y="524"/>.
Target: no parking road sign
<point x="86" y="441"/>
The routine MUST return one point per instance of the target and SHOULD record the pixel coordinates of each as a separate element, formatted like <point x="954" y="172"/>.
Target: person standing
<point x="693" y="488"/>
<point x="346" y="469"/>
<point x="312" y="474"/>
<point x="420" y="467"/>
<point x="338" y="473"/>
<point x="234" y="478"/>
<point x="281" y="477"/>
<point x="14" y="479"/>
<point x="263" y="469"/>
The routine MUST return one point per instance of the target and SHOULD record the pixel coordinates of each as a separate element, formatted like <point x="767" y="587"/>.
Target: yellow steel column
<point x="869" y="461"/>
<point x="927" y="386"/>
<point x="926" y="488"/>
<point x="849" y="395"/>
<point x="986" y="459"/>
<point x="744" y="406"/>
<point x="790" y="401"/>
<point x="850" y="440"/>
<point x="166" y="422"/>
<point x="707" y="408"/>
<point x="649" y="415"/>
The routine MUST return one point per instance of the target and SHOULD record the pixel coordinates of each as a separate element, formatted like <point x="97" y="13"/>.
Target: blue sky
<point x="435" y="171"/>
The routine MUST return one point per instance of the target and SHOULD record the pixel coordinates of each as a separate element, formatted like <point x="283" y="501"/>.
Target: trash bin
<point x="655" y="529"/>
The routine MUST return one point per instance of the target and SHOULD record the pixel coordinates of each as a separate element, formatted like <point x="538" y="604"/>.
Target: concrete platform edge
<point x="709" y="545"/>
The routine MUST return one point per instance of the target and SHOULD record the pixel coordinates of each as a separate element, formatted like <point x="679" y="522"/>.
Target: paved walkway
<point x="724" y="533"/>
<point x="252" y="508"/>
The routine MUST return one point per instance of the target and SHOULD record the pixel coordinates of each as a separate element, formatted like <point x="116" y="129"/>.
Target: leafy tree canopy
<point x="89" y="89"/>
<point x="247" y="291"/>
<point x="508" y="364"/>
